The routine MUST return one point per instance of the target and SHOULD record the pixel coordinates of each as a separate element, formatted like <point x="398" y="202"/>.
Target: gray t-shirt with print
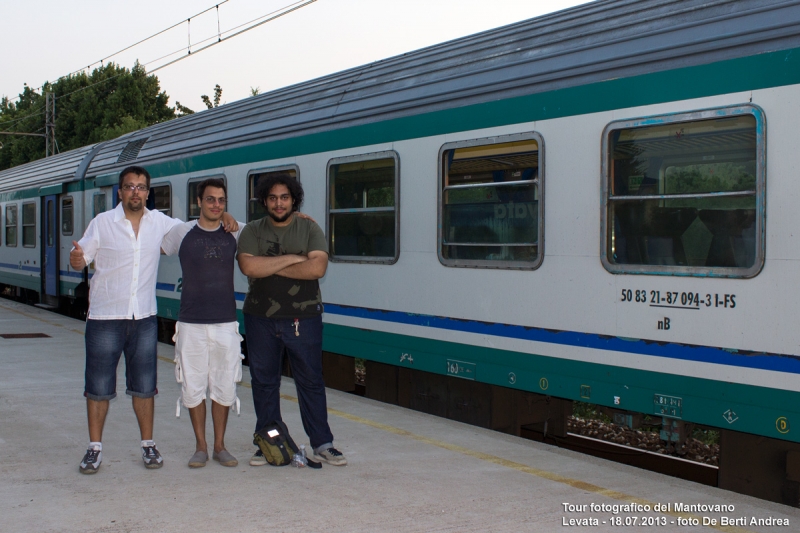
<point x="277" y="296"/>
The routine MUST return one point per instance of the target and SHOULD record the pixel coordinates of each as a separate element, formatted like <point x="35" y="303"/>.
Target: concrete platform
<point x="407" y="471"/>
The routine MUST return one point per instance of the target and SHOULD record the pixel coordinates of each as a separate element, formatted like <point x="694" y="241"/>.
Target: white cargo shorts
<point x="207" y="357"/>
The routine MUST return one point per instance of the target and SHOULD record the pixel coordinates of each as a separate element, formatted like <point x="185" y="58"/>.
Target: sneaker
<point x="258" y="459"/>
<point x="332" y="456"/>
<point x="151" y="457"/>
<point x="91" y="461"/>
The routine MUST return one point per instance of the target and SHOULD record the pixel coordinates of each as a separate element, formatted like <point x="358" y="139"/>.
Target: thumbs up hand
<point x="76" y="259"/>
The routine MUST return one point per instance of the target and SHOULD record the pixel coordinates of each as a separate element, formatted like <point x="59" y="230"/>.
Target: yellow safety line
<point x="544" y="474"/>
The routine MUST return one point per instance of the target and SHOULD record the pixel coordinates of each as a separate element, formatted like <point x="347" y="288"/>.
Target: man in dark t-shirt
<point x="283" y="257"/>
<point x="208" y="353"/>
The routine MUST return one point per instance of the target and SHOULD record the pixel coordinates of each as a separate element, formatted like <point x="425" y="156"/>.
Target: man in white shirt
<point x="125" y="244"/>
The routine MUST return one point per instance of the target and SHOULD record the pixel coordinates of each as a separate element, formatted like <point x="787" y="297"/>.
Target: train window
<point x="490" y="203"/>
<point x="98" y="203"/>
<point x="11" y="225"/>
<point x="29" y="225"/>
<point x="160" y="199"/>
<point x="255" y="209"/>
<point x="684" y="194"/>
<point x="67" y="216"/>
<point x="191" y="196"/>
<point x="363" y="198"/>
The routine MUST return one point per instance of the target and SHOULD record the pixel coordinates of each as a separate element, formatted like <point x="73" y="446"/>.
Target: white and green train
<point x="597" y="205"/>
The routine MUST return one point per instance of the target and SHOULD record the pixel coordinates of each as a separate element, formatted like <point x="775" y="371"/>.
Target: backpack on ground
<point x="275" y="443"/>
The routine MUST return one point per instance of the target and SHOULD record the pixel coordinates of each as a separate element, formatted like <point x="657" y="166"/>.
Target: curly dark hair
<point x="266" y="184"/>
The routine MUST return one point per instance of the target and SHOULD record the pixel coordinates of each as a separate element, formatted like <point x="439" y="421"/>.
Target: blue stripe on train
<point x="20" y="267"/>
<point x="687" y="352"/>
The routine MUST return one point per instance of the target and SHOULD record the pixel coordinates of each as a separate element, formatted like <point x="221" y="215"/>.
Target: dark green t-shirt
<point x="277" y="296"/>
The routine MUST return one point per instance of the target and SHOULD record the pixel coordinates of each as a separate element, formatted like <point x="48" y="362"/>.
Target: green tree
<point x="217" y="97"/>
<point x="90" y="108"/>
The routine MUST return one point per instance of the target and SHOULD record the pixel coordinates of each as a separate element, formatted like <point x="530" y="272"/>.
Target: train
<point x="657" y="134"/>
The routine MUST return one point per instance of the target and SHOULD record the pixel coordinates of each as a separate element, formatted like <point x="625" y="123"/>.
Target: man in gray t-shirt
<point x="283" y="257"/>
<point x="208" y="353"/>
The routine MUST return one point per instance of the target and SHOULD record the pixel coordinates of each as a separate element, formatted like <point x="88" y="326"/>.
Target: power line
<point x="281" y="12"/>
<point x="100" y="61"/>
<point x="216" y="6"/>
<point x="220" y="38"/>
<point x="39" y="112"/>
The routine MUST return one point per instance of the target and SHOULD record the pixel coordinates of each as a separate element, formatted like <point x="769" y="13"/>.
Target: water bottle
<point x="299" y="459"/>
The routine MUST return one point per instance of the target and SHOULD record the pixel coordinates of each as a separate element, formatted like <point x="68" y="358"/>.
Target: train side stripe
<point x="706" y="354"/>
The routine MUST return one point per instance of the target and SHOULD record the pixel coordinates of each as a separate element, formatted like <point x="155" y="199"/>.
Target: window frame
<point x="373" y="260"/>
<point x="72" y="214"/>
<point x="250" y="190"/>
<point x="486" y="263"/>
<point x="168" y="185"/>
<point x="193" y="201"/>
<point x="760" y="192"/>
<point x="28" y="225"/>
<point x="15" y="207"/>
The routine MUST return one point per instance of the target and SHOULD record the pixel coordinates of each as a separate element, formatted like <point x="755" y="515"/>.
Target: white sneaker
<point x="332" y="456"/>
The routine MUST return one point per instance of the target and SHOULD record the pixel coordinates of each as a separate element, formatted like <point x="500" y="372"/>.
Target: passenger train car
<point x="595" y="205"/>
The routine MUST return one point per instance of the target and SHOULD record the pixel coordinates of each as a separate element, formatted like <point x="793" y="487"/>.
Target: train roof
<point x="597" y="41"/>
<point x="48" y="171"/>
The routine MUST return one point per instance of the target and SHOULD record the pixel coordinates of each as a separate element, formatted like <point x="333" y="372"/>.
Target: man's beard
<point x="135" y="207"/>
<point x="284" y="218"/>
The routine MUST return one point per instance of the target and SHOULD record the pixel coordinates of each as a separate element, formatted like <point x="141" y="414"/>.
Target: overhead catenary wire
<point x="137" y="43"/>
<point x="252" y="24"/>
<point x="271" y="16"/>
<point x="280" y="12"/>
<point x="15" y="120"/>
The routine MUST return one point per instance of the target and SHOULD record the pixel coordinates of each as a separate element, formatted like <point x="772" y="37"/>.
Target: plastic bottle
<point x="299" y="459"/>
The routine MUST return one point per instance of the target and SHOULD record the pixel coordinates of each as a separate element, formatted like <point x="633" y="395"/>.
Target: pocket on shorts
<point x="237" y="375"/>
<point x="177" y="360"/>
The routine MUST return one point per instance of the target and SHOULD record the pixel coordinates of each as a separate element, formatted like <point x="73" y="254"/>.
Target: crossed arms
<point x="288" y="266"/>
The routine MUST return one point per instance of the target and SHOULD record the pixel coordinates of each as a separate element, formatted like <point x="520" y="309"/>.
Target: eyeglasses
<point x="211" y="200"/>
<point x="131" y="188"/>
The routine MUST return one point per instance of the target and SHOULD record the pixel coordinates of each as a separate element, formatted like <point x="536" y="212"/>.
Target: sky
<point x="51" y="38"/>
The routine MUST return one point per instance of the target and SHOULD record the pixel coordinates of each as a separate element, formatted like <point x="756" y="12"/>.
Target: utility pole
<point x="50" y="124"/>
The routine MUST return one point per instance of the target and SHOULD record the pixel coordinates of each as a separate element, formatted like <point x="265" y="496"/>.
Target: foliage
<point x="90" y="108"/>
<point x="217" y="97"/>
<point x="255" y="91"/>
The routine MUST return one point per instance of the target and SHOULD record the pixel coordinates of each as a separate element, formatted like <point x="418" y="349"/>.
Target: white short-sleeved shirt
<point x="126" y="267"/>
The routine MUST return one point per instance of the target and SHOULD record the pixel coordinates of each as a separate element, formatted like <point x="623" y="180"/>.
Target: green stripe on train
<point x="761" y="71"/>
<point x="757" y="410"/>
<point x="21" y="280"/>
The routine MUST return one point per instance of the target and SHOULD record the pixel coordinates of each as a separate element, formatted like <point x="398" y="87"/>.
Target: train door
<point x="50" y="245"/>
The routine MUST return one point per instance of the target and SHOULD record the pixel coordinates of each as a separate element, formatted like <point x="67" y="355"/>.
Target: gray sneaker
<point x="332" y="456"/>
<point x="258" y="459"/>
<point x="91" y="461"/>
<point x="151" y="457"/>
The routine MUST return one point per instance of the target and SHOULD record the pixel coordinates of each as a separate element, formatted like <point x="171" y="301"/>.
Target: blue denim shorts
<point x="106" y="341"/>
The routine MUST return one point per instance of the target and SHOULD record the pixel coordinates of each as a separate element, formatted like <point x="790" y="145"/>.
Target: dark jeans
<point x="266" y="338"/>
<point x="106" y="340"/>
